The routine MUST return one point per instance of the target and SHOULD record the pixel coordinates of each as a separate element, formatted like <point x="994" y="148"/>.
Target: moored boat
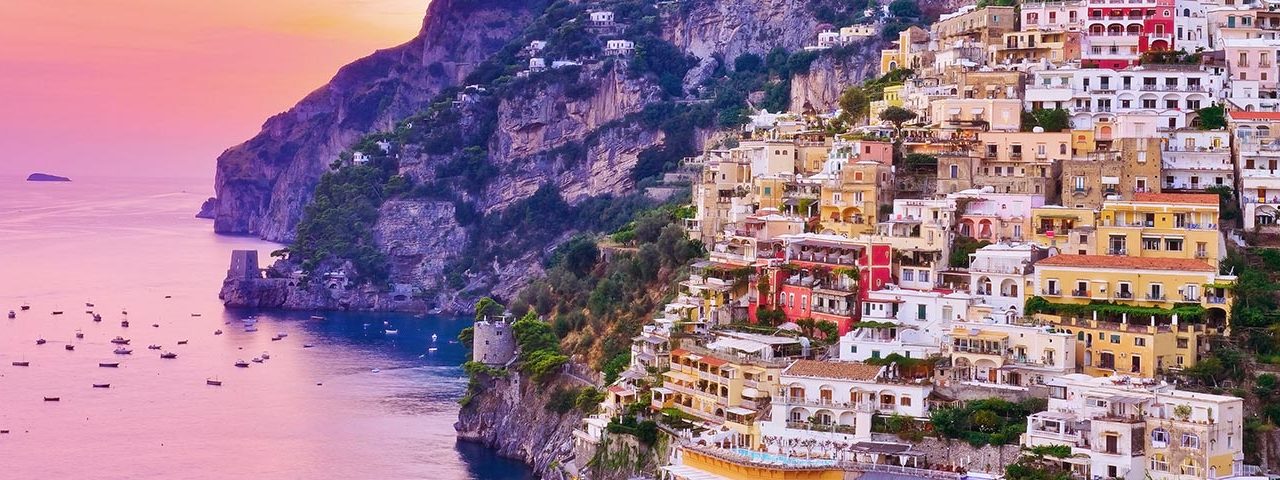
<point x="25" y="307"/>
<point x="102" y="385"/>
<point x="79" y="334"/>
<point x="257" y="360"/>
<point x="266" y="356"/>
<point x="250" y="328"/>
<point x="217" y="332"/>
<point x="109" y="364"/>
<point x="120" y="340"/>
<point x="22" y="363"/>
<point x="210" y="381"/>
<point x="122" y="351"/>
<point x="153" y="347"/>
<point x="168" y="355"/>
<point x="182" y="342"/>
<point x="57" y="312"/>
<point x="52" y="399"/>
<point x="392" y="331"/>
<point x="69" y="347"/>
<point x="97" y="317"/>
<point x="124" y="323"/>
<point x="317" y="317"/>
<point x="242" y="363"/>
<point x="41" y="341"/>
<point x="13" y="314"/>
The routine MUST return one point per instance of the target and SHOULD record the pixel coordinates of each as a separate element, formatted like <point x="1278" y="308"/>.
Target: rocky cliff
<point x="821" y="86"/>
<point x="475" y="158"/>
<point x="509" y="415"/>
<point x="263" y="184"/>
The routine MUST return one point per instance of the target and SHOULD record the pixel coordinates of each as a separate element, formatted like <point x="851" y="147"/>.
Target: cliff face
<point x="827" y="77"/>
<point x="509" y="416"/>
<point x="263" y="184"/>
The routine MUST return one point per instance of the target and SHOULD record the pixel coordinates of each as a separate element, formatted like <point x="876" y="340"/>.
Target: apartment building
<point x="1000" y="275"/>
<point x="1054" y="16"/>
<point x="851" y="199"/>
<point x="836" y="400"/>
<point x="910" y="323"/>
<point x="1030" y="46"/>
<point x="998" y="217"/>
<point x="1008" y="356"/>
<point x="1134" y="429"/>
<point x="984" y="25"/>
<point x="1117" y="34"/>
<point x="1256" y="149"/>
<point x="1069" y="230"/>
<point x="1194" y="160"/>
<point x="1163" y="225"/>
<point x="1129" y="167"/>
<point x="1097" y="95"/>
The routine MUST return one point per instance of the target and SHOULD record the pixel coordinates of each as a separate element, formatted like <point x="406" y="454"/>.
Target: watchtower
<point x="493" y="342"/>
<point x="244" y="265"/>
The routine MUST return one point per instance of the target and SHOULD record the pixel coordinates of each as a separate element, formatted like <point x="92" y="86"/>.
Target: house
<point x="1163" y="225"/>
<point x="836" y="400"/>
<point x="1194" y="160"/>
<point x="620" y="48"/>
<point x="1256" y="148"/>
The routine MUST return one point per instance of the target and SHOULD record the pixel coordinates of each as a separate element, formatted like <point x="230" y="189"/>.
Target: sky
<point x="159" y="88"/>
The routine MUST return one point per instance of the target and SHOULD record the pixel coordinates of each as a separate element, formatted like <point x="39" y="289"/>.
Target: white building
<point x="1197" y="159"/>
<point x="1257" y="151"/>
<point x="999" y="275"/>
<point x="601" y="18"/>
<point x="1166" y="92"/>
<point x="1134" y="429"/>
<point x="359" y="158"/>
<point x="1191" y="25"/>
<point x="619" y="47"/>
<point x="1054" y="16"/>
<point x="910" y="323"/>
<point x="1007" y="356"/>
<point x="836" y="400"/>
<point x="537" y="64"/>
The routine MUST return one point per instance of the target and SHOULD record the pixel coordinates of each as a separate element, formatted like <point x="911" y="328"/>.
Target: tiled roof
<point x="1176" y="198"/>
<point x="1125" y="262"/>
<point x="1241" y="115"/>
<point x="840" y="370"/>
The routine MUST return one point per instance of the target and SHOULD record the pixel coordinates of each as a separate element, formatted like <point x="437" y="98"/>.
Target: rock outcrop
<point x="828" y="76"/>
<point x="263" y="184"/>
<point x="208" y="209"/>
<point x="510" y="416"/>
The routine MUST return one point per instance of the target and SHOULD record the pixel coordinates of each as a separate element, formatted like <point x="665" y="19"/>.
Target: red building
<point x="1119" y="32"/>
<point x="815" y="282"/>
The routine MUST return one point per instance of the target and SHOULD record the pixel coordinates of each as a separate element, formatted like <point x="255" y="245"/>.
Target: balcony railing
<point x="1155" y="298"/>
<point x="1215" y="300"/>
<point x="1124" y="295"/>
<point x="831" y="427"/>
<point x="1191" y="298"/>
<point x="1117" y="251"/>
<point x="1080" y="293"/>
<point x="1201" y="254"/>
<point x="1051" y="292"/>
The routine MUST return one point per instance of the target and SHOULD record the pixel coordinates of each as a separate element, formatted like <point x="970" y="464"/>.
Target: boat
<point x="52" y="399"/>
<point x="153" y="347"/>
<point x="109" y="364"/>
<point x="168" y="355"/>
<point x="124" y="312"/>
<point x="307" y="345"/>
<point x="217" y="332"/>
<point x="22" y="363"/>
<point x="124" y="323"/>
<point x="79" y="334"/>
<point x="102" y="385"/>
<point x="317" y="317"/>
<point x="57" y="312"/>
<point x="90" y="312"/>
<point x="376" y="370"/>
<point x="392" y="331"/>
<point x="195" y="314"/>
<point x="250" y="328"/>
<point x="282" y="334"/>
<point x="257" y="360"/>
<point x="157" y="325"/>
<point x="242" y="364"/>
<point x="210" y="381"/>
<point x="248" y="320"/>
<point x="88" y="304"/>
<point x="182" y="342"/>
<point x="120" y="340"/>
<point x="69" y="347"/>
<point x="97" y="317"/>
<point x="432" y="349"/>
<point x="433" y="338"/>
<point x="275" y="339"/>
<point x="12" y="314"/>
<point x="25" y="307"/>
<point x="266" y="356"/>
<point x="41" y="341"/>
<point x="122" y="351"/>
<point x="168" y="296"/>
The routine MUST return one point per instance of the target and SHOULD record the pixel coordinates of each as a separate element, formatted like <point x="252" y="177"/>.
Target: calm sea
<point x="133" y="245"/>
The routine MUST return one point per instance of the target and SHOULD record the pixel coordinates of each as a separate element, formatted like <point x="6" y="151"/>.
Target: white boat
<point x="266" y="356"/>
<point x="317" y="317"/>
<point x="250" y="328"/>
<point x="434" y="338"/>
<point x="281" y="334"/>
<point x="242" y="364"/>
<point x="392" y="332"/>
<point x="122" y="351"/>
<point x="257" y="360"/>
<point x="432" y="349"/>
<point x="248" y="320"/>
<point x="376" y="371"/>
<point x="120" y="341"/>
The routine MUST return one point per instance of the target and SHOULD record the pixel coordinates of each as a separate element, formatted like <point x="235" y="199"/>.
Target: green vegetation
<point x="1171" y="57"/>
<point x="1040" y="463"/>
<point x="564" y="400"/>
<point x="897" y="116"/>
<point x="855" y="101"/>
<point x="539" y="348"/>
<point x="1051" y="120"/>
<point x="1213" y="117"/>
<point x="646" y="431"/>
<point x="1113" y="312"/>
<point x="338" y="223"/>
<point x="981" y="422"/>
<point x="905" y="9"/>
<point x="961" y="248"/>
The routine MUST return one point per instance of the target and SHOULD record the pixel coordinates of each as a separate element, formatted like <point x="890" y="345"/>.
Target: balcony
<point x="1201" y="254"/>
<point x="1123" y="295"/>
<point x="1155" y="298"/>
<point x="1215" y="300"/>
<point x="1117" y="251"/>
<point x="1191" y="298"/>
<point x="1051" y="293"/>
<point x="818" y="427"/>
<point x="1080" y="293"/>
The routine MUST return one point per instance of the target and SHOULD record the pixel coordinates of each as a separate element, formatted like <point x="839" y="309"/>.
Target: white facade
<point x="839" y="406"/>
<point x="1093" y="94"/>
<point x="922" y="319"/>
<point x="999" y="275"/>
<point x="1054" y="16"/>
<point x="619" y="47"/>
<point x="1197" y="159"/>
<point x="1191" y="25"/>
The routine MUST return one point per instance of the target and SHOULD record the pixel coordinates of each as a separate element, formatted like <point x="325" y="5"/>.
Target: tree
<point x="748" y="62"/>
<point x="904" y="9"/>
<point x="1040" y="463"/>
<point x="1212" y="117"/>
<point x="854" y="104"/>
<point x="897" y="116"/>
<point x="1051" y="120"/>
<point x="488" y="307"/>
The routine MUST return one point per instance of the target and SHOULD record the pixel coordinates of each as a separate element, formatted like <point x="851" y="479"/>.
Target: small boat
<point x="156" y="325"/>
<point x="217" y="332"/>
<point x="307" y="345"/>
<point x="97" y="317"/>
<point x="153" y="347"/>
<point x="317" y="317"/>
<point x="386" y="323"/>
<point x="57" y="312"/>
<point x="195" y="314"/>
<point x="366" y="325"/>
<point x="266" y="356"/>
<point x="90" y="312"/>
<point x="120" y="341"/>
<point x="257" y="360"/>
<point x="242" y="364"/>
<point x="79" y="334"/>
<point x="41" y="341"/>
<point x="434" y="337"/>
<point x="248" y="320"/>
<point x="22" y="363"/>
<point x="69" y="347"/>
<point x="281" y="334"/>
<point x="52" y="399"/>
<point x="432" y="349"/>
<point x="182" y="342"/>
<point x="392" y="332"/>
<point x="13" y="314"/>
<point x="168" y="296"/>
<point x="124" y="323"/>
<point x="124" y="312"/>
<point x="25" y="307"/>
<point x="102" y="385"/>
<point x="168" y="355"/>
<point x="109" y="364"/>
<point x="376" y="370"/>
<point x="122" y="351"/>
<point x="210" y="381"/>
<point x="88" y="304"/>
<point x="250" y="328"/>
<point x="275" y="339"/>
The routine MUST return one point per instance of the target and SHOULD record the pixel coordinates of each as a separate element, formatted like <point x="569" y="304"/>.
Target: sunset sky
<point x="161" y="87"/>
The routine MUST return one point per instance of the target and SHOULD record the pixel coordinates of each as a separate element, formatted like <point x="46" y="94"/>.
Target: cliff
<point x="821" y="86"/>
<point x="476" y="160"/>
<point x="263" y="183"/>
<point x="510" y="416"/>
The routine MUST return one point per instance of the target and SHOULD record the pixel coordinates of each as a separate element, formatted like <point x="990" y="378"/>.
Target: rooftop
<point x="1115" y="261"/>
<point x="1240" y="115"/>
<point x="840" y="370"/>
<point x="1201" y="198"/>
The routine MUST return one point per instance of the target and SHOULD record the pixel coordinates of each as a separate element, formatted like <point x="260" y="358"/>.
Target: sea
<point x="338" y="398"/>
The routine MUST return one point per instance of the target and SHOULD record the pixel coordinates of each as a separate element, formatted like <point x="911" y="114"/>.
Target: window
<point x="1183" y="342"/>
<point x="1158" y="462"/>
<point x="1115" y="338"/>
<point x="1173" y="244"/>
<point x="1160" y="438"/>
<point x="924" y="276"/>
<point x="908" y="275"/>
<point x="1157" y="292"/>
<point x="1139" y="342"/>
<point x="955" y="171"/>
<point x="905" y="401"/>
<point x="921" y="312"/>
<point x="1053" y="287"/>
<point x="1190" y="440"/>
<point x="1150" y="243"/>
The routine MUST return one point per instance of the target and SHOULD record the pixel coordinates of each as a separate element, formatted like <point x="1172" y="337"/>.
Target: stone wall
<point x="990" y="459"/>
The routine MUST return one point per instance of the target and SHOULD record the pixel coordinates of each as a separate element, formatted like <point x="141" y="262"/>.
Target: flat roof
<point x="1126" y="262"/>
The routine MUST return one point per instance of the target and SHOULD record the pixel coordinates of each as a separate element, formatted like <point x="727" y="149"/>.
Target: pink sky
<point x="161" y="87"/>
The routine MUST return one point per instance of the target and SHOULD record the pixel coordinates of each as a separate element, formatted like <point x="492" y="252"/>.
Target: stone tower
<point x="244" y="265"/>
<point x="493" y="342"/>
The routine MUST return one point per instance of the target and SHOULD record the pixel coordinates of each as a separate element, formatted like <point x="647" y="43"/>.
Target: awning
<point x="741" y="411"/>
<point x="749" y="392"/>
<point x="953" y="111"/>
<point x="663" y="391"/>
<point x="684" y="472"/>
<point x="679" y="376"/>
<point x="977" y="111"/>
<point x="1110" y="180"/>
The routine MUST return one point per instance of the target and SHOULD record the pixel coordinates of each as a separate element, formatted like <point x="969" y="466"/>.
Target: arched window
<point x="1186" y="12"/>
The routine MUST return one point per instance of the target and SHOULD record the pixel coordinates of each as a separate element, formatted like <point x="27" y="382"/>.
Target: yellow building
<point x="701" y="463"/>
<point x="1070" y="230"/>
<point x="909" y="52"/>
<point x="892" y="98"/>
<point x="720" y="388"/>
<point x="1179" y="301"/>
<point x="850" y="202"/>
<point x="1162" y="225"/>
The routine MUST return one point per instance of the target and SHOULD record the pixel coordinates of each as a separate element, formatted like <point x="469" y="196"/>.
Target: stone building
<point x="1131" y="166"/>
<point x="244" y="265"/>
<point x="493" y="342"/>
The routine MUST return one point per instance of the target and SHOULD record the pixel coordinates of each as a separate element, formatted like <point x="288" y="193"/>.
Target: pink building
<point x="999" y="216"/>
<point x="1252" y="59"/>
